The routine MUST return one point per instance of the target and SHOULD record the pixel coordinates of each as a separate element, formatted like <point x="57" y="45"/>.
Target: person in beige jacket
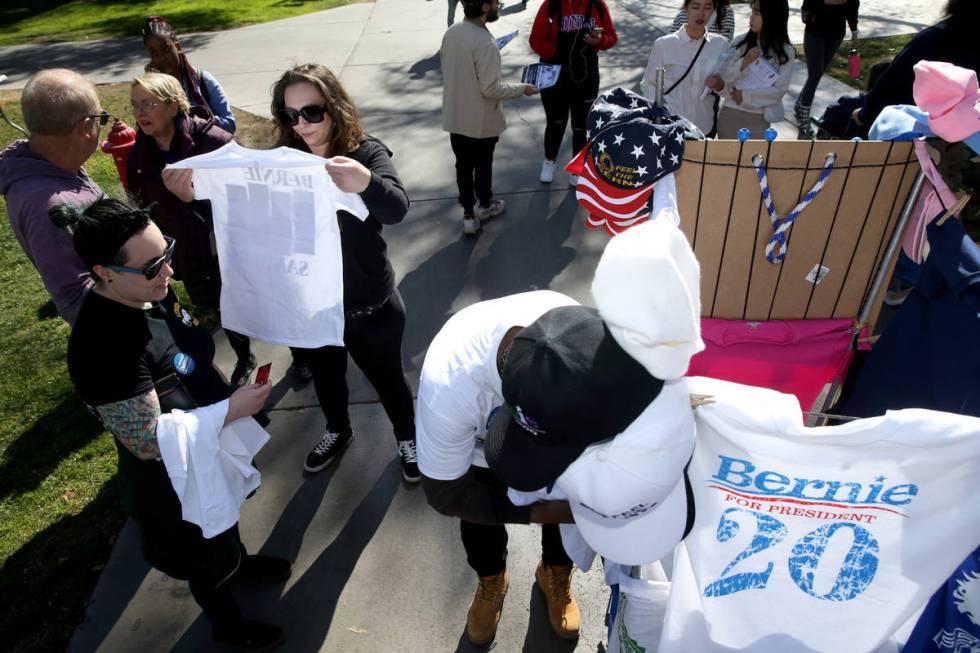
<point x="472" y="92"/>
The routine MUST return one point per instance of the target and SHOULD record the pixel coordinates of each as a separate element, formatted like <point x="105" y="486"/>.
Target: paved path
<point x="375" y="568"/>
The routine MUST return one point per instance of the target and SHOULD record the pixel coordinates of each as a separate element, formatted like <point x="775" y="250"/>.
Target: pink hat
<point x="951" y="97"/>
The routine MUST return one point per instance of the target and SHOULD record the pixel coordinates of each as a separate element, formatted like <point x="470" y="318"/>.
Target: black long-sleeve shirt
<point x="827" y="21"/>
<point x="368" y="276"/>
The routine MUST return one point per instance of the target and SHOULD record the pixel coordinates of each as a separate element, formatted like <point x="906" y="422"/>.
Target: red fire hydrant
<point x="119" y="142"/>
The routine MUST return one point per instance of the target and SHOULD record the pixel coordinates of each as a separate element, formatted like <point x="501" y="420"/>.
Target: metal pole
<point x="7" y="120"/>
<point x="890" y="253"/>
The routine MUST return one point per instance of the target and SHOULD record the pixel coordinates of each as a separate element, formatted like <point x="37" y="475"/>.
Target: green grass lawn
<point x="49" y="21"/>
<point x="873" y="50"/>
<point x="59" y="510"/>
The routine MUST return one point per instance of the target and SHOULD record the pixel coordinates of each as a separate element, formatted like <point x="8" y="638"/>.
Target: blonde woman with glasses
<point x="168" y="130"/>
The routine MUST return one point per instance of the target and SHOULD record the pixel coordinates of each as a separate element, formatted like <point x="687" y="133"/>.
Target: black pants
<point x="486" y="546"/>
<point x="474" y="169"/>
<point x="819" y="53"/>
<point x="375" y="343"/>
<point x="562" y="100"/>
<point x="205" y="292"/>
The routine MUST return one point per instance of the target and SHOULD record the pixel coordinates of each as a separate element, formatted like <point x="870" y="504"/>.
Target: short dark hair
<point x="474" y="8"/>
<point x="100" y="229"/>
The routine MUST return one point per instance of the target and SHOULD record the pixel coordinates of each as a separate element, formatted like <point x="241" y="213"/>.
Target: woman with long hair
<point x="134" y="355"/>
<point x="722" y="21"/>
<point x="570" y="33"/>
<point x="200" y="86"/>
<point x="687" y="56"/>
<point x="765" y="44"/>
<point x="168" y="130"/>
<point x="825" y="21"/>
<point x="313" y="113"/>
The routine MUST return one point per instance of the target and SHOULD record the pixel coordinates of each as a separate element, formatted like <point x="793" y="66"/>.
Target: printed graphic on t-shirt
<point x="278" y="239"/>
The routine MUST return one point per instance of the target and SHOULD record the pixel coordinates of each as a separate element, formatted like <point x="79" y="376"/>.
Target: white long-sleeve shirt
<point x="674" y="53"/>
<point x="765" y="101"/>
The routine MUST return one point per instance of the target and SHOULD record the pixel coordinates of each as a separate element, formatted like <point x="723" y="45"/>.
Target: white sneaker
<point x="547" y="171"/>
<point x="494" y="208"/>
<point x="573" y="180"/>
<point x="471" y="226"/>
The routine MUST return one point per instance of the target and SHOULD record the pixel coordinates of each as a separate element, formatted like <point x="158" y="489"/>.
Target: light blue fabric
<point x="901" y="122"/>
<point x="217" y="100"/>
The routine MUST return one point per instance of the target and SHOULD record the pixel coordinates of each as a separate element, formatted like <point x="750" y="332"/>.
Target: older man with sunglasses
<point x="63" y="116"/>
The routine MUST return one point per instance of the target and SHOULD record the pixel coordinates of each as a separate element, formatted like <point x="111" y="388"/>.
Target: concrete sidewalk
<point x="375" y="568"/>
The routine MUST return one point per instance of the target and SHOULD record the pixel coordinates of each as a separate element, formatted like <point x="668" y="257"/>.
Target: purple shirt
<point x="31" y="185"/>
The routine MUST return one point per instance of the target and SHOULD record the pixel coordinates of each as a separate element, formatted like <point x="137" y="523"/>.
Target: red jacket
<point x="544" y="32"/>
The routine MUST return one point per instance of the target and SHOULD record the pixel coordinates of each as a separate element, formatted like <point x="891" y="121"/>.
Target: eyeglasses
<point x="103" y="117"/>
<point x="313" y="113"/>
<point x="145" y="106"/>
<point x="152" y="269"/>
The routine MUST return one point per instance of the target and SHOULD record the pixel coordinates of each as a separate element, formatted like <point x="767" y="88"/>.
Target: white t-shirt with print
<point x="817" y="539"/>
<point x="460" y="385"/>
<point x="275" y="223"/>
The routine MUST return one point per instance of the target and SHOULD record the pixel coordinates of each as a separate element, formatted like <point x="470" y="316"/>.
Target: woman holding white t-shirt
<point x="313" y="113"/>
<point x="687" y="56"/>
<point x="766" y="40"/>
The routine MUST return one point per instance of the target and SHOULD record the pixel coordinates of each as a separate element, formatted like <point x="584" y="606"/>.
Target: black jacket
<point x="936" y="43"/>
<point x="368" y="276"/>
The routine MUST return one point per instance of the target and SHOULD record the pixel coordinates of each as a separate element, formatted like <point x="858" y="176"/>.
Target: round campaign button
<point x="183" y="363"/>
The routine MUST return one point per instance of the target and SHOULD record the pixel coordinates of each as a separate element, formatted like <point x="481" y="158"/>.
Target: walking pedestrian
<point x="757" y="108"/>
<point x="687" y="56"/>
<point x="472" y="94"/>
<point x="570" y="33"/>
<point x="825" y="21"/>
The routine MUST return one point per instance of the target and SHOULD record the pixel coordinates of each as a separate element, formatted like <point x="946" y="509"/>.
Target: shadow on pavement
<point x="306" y="610"/>
<point x="429" y="291"/>
<point x="540" y="638"/>
<point x="537" y="239"/>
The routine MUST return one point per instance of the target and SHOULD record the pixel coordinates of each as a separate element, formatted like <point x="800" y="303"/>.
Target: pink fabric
<point x="797" y="357"/>
<point x="951" y="97"/>
<point x="934" y="199"/>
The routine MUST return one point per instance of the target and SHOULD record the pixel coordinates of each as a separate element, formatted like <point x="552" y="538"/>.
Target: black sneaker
<point x="262" y="568"/>
<point x="409" y="460"/>
<point x="243" y="371"/>
<point x="326" y="449"/>
<point x="250" y="635"/>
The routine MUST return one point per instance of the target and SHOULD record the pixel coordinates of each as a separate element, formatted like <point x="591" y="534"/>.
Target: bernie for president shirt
<point x="278" y="238"/>
<point x="817" y="539"/>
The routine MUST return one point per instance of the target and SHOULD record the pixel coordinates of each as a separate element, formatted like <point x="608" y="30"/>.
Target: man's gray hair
<point x="55" y="99"/>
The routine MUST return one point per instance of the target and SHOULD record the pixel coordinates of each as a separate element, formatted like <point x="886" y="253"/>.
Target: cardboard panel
<point x="845" y="229"/>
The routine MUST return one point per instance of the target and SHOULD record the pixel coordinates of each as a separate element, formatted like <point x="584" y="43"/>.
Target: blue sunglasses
<point x="151" y="269"/>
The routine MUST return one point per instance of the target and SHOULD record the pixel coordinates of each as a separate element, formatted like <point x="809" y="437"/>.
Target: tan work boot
<point x="556" y="583"/>
<point x="484" y="614"/>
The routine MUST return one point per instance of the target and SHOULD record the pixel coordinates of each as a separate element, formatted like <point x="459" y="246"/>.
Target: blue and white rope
<point x="776" y="245"/>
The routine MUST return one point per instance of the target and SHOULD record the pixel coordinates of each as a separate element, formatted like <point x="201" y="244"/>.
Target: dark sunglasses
<point x="103" y="117"/>
<point x="313" y="113"/>
<point x="152" y="269"/>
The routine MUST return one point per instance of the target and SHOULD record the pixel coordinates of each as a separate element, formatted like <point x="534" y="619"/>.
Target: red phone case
<point x="262" y="376"/>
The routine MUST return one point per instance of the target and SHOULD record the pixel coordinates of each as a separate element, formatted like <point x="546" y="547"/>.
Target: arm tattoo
<point x="134" y="423"/>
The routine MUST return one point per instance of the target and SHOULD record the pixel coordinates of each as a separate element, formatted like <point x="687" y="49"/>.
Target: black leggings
<point x="486" y="545"/>
<point x="375" y="343"/>
<point x="562" y="100"/>
<point x="819" y="53"/>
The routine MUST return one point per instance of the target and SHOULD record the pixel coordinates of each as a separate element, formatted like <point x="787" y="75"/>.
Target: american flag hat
<point x="633" y="143"/>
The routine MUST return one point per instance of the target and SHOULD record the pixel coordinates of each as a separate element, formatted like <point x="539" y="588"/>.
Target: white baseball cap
<point x="647" y="288"/>
<point x="629" y="495"/>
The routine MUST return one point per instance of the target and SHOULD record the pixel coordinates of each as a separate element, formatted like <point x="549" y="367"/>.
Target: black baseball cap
<point x="566" y="384"/>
